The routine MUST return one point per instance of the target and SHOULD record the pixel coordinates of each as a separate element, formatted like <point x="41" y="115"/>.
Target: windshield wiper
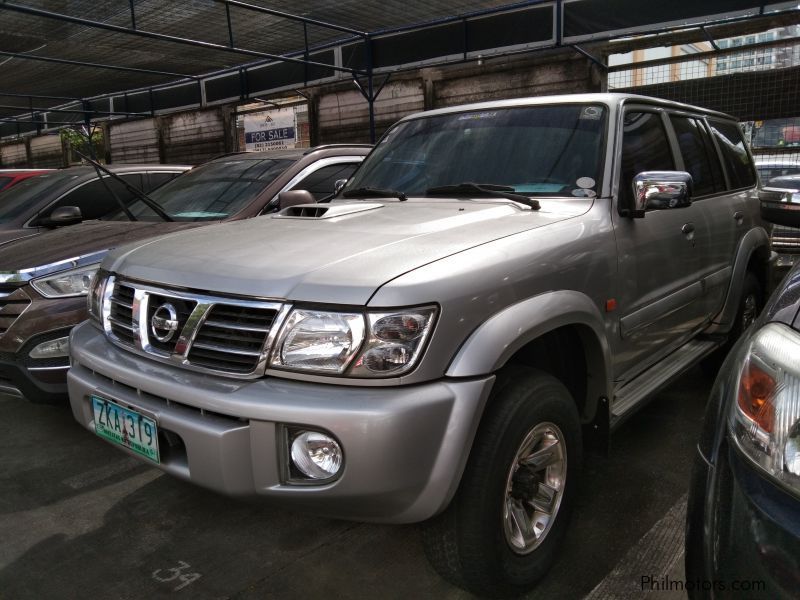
<point x="483" y="189"/>
<point x="152" y="204"/>
<point x="373" y="192"/>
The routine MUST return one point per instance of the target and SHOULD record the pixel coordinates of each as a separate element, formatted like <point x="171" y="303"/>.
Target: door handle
<point x="738" y="217"/>
<point x="687" y="229"/>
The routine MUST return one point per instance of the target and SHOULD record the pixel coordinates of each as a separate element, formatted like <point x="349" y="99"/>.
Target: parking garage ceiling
<point x="241" y="42"/>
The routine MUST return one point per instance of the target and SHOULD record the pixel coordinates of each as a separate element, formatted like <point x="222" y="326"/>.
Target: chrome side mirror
<point x="655" y="190"/>
<point x="337" y="187"/>
<point x="780" y="206"/>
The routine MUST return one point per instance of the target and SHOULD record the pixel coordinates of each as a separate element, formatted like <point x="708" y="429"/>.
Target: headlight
<point x="65" y="284"/>
<point x="765" y="419"/>
<point x="379" y="344"/>
<point x="319" y="341"/>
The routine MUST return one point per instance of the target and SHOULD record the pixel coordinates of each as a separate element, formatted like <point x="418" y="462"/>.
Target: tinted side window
<point x="159" y="178"/>
<point x="94" y="198"/>
<point x="699" y="156"/>
<point x="734" y="154"/>
<point x="320" y="183"/>
<point x="644" y="148"/>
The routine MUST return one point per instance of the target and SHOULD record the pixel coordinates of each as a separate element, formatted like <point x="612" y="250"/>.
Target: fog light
<point x="316" y="455"/>
<point x="51" y="349"/>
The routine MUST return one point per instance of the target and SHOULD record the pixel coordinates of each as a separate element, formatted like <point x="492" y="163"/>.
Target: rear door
<point x="660" y="300"/>
<point x="722" y="210"/>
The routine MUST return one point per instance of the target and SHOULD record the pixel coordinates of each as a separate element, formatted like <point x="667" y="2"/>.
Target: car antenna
<point x="152" y="204"/>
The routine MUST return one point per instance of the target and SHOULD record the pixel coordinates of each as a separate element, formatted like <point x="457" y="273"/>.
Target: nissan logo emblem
<point x="164" y="322"/>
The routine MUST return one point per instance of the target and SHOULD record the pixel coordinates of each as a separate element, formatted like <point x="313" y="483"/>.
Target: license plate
<point x="126" y="427"/>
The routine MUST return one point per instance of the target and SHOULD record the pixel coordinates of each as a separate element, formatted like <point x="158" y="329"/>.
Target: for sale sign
<point x="270" y="130"/>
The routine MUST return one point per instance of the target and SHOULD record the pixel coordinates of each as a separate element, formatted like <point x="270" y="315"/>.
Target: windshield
<point x="27" y="194"/>
<point x="536" y="150"/>
<point x="210" y="192"/>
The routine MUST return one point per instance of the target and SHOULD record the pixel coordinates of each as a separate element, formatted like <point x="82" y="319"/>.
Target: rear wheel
<point x="501" y="532"/>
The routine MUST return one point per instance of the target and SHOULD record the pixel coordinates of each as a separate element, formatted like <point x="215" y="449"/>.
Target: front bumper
<point x="751" y="528"/>
<point x="404" y="447"/>
<point x="42" y="319"/>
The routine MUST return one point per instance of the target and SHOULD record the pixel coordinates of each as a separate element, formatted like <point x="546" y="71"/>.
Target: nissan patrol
<point x="496" y="287"/>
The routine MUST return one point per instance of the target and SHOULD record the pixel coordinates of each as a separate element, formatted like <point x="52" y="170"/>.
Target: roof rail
<point x="328" y="146"/>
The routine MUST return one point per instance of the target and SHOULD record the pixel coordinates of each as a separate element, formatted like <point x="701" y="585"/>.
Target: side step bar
<point x="630" y="396"/>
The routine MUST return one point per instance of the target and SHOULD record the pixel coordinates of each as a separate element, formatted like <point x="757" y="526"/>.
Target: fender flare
<point x="754" y="240"/>
<point x="495" y="341"/>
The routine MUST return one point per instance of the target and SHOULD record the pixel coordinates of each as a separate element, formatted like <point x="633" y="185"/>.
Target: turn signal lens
<point x="756" y="391"/>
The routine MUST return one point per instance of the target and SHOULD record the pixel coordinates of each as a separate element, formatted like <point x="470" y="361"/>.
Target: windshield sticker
<point x="538" y="188"/>
<point x="476" y="116"/>
<point x="585" y="182"/>
<point x="591" y="113"/>
<point x="583" y="193"/>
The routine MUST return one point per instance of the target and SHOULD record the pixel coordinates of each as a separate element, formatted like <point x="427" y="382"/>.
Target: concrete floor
<point x="80" y="519"/>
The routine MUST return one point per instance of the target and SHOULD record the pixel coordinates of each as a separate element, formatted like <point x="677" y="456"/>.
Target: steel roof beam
<point x="80" y="111"/>
<point x="37" y="12"/>
<point x="292" y="17"/>
<point x="81" y="63"/>
<point x="40" y="97"/>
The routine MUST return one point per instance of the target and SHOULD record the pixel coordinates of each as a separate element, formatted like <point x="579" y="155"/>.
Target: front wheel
<point x="501" y="532"/>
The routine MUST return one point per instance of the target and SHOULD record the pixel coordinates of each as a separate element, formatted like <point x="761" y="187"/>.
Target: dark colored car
<point x="44" y="279"/>
<point x="11" y="177"/>
<point x="29" y="207"/>
<point x="743" y="521"/>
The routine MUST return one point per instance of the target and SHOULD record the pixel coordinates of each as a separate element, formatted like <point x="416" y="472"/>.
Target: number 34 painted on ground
<point x="177" y="573"/>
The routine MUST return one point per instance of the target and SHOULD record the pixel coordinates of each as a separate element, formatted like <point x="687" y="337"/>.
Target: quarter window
<point x="734" y="154"/>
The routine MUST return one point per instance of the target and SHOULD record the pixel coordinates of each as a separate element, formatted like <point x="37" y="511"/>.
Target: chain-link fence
<point x="754" y="77"/>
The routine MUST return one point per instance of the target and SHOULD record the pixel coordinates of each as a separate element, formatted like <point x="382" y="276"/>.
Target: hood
<point x="56" y="245"/>
<point x="341" y="256"/>
<point x="10" y="235"/>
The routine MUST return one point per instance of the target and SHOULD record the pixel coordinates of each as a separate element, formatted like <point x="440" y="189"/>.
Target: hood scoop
<point x="324" y="211"/>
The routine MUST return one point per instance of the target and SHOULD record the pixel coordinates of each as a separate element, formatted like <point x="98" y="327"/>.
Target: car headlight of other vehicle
<point x="375" y="344"/>
<point x="765" y="418"/>
<point x="74" y="282"/>
<point x="94" y="298"/>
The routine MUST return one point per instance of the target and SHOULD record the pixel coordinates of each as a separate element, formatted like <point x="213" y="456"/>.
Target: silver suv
<point x="497" y="287"/>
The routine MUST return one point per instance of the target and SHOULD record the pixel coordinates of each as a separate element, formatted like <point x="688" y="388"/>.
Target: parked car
<point x="44" y="279"/>
<point x="769" y="168"/>
<point x="33" y="205"/>
<point x="743" y="518"/>
<point x="10" y="177"/>
<point x="785" y="240"/>
<point x="493" y="281"/>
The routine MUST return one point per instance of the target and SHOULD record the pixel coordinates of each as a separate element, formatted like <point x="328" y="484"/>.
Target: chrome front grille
<point x="785" y="239"/>
<point x="231" y="337"/>
<point x="120" y="316"/>
<point x="198" y="331"/>
<point x="12" y="305"/>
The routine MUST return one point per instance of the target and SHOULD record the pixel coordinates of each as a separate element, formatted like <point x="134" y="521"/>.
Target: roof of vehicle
<point x="777" y="162"/>
<point x="609" y="99"/>
<point x="295" y="153"/>
<point x="25" y="170"/>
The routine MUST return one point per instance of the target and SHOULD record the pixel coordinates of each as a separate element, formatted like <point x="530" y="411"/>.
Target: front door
<point x="660" y="300"/>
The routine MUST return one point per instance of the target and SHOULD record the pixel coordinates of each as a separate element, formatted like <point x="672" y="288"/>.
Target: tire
<point x="474" y="543"/>
<point x="750" y="305"/>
